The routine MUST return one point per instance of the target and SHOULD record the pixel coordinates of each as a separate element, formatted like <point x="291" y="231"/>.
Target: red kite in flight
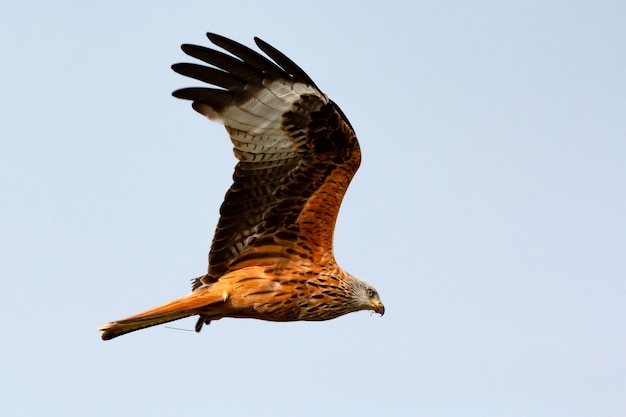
<point x="272" y="253"/>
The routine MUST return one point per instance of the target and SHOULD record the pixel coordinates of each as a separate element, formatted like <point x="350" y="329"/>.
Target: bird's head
<point x="366" y="297"/>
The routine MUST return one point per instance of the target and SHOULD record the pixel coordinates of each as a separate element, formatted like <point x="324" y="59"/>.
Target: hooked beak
<point x="378" y="307"/>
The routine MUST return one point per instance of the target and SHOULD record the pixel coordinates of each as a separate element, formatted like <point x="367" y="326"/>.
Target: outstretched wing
<point x="297" y="155"/>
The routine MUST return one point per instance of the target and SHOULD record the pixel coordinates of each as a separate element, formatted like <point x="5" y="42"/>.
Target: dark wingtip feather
<point x="217" y="99"/>
<point x="249" y="56"/>
<point x="285" y="62"/>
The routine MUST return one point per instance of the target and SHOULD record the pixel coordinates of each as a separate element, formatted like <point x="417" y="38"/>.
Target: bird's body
<point x="272" y="253"/>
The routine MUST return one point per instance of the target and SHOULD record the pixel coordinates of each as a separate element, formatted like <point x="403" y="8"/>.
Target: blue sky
<point x="489" y="211"/>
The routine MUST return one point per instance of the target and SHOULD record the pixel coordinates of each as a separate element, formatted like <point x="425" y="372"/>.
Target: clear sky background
<point x="489" y="211"/>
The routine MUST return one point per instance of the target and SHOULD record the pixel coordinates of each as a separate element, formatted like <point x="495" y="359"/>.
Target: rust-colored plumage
<point x="272" y="253"/>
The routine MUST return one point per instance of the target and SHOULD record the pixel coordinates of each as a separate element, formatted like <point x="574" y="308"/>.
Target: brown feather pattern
<point x="272" y="253"/>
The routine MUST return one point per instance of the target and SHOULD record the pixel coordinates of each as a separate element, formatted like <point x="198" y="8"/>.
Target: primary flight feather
<point x="272" y="252"/>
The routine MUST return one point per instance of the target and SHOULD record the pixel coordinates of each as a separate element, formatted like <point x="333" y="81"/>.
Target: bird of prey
<point x="272" y="253"/>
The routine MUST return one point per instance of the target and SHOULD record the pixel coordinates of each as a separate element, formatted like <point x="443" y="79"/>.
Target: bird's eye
<point x="370" y="293"/>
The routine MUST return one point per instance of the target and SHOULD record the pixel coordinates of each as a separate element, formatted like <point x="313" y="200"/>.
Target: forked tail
<point x="177" y="309"/>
